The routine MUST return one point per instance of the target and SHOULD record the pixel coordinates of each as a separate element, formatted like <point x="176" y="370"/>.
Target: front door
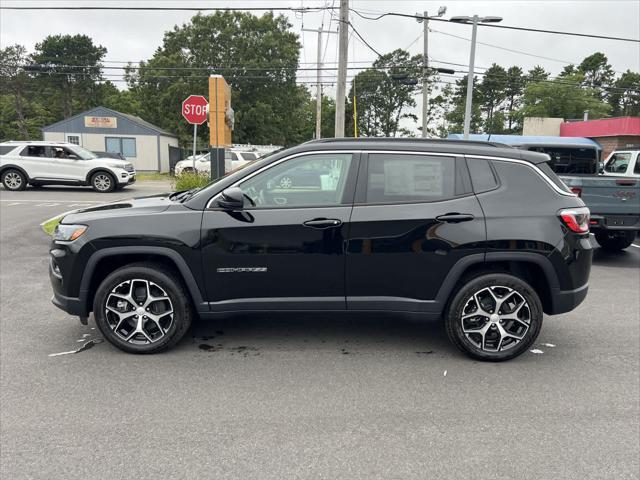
<point x="414" y="217"/>
<point x="285" y="250"/>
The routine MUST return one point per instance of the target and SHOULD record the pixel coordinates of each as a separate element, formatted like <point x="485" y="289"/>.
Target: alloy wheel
<point x="496" y="318"/>
<point x="286" y="182"/>
<point x="13" y="180"/>
<point x="102" y="182"/>
<point x="139" y="311"/>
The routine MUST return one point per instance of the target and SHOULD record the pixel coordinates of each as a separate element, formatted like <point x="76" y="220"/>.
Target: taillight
<point x="576" y="219"/>
<point x="577" y="191"/>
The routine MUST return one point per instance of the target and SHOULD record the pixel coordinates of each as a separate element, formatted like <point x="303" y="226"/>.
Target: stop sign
<point x="194" y="109"/>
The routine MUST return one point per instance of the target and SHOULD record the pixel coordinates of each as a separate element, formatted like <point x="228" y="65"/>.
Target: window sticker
<point x="413" y="177"/>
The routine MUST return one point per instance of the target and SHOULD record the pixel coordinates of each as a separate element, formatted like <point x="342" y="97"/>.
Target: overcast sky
<point x="134" y="36"/>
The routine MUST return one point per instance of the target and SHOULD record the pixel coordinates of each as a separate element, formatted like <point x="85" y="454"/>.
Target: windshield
<point x="83" y="153"/>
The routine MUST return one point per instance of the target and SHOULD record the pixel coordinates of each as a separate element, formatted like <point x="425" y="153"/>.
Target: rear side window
<point x="482" y="175"/>
<point x="546" y="169"/>
<point x="4" y="149"/>
<point x="636" y="169"/>
<point x="398" y="178"/>
<point x="34" y="151"/>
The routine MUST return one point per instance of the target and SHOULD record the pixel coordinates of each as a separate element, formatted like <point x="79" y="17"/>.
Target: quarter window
<point x="481" y="175"/>
<point x="306" y="181"/>
<point x="124" y="146"/>
<point x="394" y="178"/>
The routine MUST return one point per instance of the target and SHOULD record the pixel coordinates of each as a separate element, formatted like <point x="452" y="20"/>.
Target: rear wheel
<point x="141" y="309"/>
<point x="615" y="241"/>
<point x="13" y="179"/>
<point x="103" y="182"/>
<point x="494" y="317"/>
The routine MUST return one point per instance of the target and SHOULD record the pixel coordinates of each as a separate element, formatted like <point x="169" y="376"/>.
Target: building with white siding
<point x="104" y="130"/>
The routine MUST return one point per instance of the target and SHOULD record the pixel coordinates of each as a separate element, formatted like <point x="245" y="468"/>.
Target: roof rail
<point x="479" y="143"/>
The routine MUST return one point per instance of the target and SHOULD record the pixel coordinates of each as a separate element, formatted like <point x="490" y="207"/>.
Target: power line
<point x="493" y="25"/>
<point x="363" y="40"/>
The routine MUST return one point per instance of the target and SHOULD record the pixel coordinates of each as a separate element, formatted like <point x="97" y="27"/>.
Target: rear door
<point x="414" y="217"/>
<point x="37" y="162"/>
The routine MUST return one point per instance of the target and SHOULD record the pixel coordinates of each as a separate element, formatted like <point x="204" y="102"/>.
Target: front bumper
<point x="126" y="178"/>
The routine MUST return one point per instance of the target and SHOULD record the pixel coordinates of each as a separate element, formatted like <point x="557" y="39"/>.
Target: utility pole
<point x="343" y="54"/>
<point x="425" y="73"/>
<point x="319" y="31"/>
<point x="470" y="76"/>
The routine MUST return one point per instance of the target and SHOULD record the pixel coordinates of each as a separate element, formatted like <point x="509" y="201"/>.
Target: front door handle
<point x="323" y="223"/>
<point x="455" y="217"/>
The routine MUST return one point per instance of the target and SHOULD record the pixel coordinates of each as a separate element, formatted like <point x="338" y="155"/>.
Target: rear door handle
<point x="323" y="223"/>
<point x="455" y="217"/>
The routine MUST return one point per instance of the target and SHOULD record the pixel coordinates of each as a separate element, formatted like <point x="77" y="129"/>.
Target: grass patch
<point x="50" y="225"/>
<point x="141" y="177"/>
<point x="189" y="180"/>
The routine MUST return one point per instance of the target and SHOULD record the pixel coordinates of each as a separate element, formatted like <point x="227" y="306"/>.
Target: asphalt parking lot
<point x="313" y="396"/>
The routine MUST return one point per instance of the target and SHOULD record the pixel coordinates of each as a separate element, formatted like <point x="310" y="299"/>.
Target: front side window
<point x="305" y="181"/>
<point x="399" y="178"/>
<point x="618" y="163"/>
<point x="124" y="146"/>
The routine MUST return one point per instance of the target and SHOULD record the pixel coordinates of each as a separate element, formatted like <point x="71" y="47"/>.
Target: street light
<point x="474" y="20"/>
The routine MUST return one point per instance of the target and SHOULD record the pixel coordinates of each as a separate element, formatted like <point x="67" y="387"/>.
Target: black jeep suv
<point x="483" y="235"/>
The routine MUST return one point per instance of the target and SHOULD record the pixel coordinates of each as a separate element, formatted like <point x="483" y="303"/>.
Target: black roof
<point x="435" y="145"/>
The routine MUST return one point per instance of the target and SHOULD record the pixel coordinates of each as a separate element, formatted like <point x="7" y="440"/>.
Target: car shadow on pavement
<point x="347" y="333"/>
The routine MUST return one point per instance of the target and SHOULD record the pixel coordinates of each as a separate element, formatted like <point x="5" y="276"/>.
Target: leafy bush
<point x="189" y="180"/>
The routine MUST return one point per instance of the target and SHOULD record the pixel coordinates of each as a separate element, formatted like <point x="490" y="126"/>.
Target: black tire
<point x="615" y="241"/>
<point x="103" y="182"/>
<point x="463" y="302"/>
<point x="14" y="180"/>
<point x="162" y="281"/>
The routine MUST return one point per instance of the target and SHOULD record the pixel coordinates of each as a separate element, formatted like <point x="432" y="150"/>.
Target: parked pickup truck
<point x="623" y="162"/>
<point x="614" y="202"/>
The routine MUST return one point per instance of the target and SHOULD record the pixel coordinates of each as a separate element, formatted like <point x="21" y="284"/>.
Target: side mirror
<point x="231" y="199"/>
<point x="600" y="167"/>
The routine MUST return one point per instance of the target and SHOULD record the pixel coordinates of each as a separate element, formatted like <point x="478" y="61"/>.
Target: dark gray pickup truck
<point x="614" y="203"/>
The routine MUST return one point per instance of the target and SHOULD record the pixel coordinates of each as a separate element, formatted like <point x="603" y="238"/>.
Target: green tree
<point x="455" y="117"/>
<point x="513" y="92"/>
<point x="69" y="67"/>
<point x="563" y="99"/>
<point x="492" y="93"/>
<point x="536" y="74"/>
<point x="597" y="72"/>
<point x="258" y="56"/>
<point x="384" y="92"/>
<point x="625" y="97"/>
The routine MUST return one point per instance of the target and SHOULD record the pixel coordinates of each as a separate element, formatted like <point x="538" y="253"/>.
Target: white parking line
<point x="48" y="201"/>
<point x="634" y="245"/>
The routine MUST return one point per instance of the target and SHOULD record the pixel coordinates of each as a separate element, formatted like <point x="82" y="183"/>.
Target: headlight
<point x="128" y="167"/>
<point x="68" y="233"/>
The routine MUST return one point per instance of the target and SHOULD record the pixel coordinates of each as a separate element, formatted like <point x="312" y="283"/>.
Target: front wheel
<point x="103" y="182"/>
<point x="615" y="241"/>
<point x="142" y="309"/>
<point x="494" y="317"/>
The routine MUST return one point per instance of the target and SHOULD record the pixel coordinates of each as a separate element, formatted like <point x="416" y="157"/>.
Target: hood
<point x="132" y="206"/>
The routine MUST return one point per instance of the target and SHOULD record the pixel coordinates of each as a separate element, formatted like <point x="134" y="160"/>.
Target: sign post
<point x="194" y="111"/>
<point x="221" y="120"/>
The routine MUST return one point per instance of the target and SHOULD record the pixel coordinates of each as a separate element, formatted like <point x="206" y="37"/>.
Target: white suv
<point x="232" y="160"/>
<point x="52" y="163"/>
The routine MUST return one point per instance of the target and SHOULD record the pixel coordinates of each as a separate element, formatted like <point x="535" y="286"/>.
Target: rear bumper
<point x="565" y="301"/>
<point x="614" y="222"/>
